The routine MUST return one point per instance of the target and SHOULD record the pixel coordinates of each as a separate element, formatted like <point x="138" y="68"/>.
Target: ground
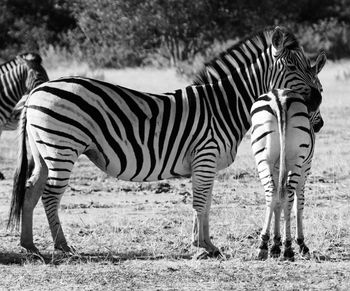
<point x="137" y="235"/>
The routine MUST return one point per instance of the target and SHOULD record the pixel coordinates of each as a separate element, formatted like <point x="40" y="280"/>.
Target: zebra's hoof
<point x="275" y="251"/>
<point x="66" y="249"/>
<point x="304" y="250"/>
<point x="2" y="177"/>
<point x="208" y="255"/>
<point x="288" y="254"/>
<point x="262" y="254"/>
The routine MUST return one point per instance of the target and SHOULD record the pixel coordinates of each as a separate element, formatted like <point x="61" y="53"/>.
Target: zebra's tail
<point x="20" y="177"/>
<point x="281" y="114"/>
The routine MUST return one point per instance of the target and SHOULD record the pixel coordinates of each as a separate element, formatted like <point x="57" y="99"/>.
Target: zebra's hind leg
<point x="56" y="184"/>
<point x="270" y="196"/>
<point x="263" y="250"/>
<point x="276" y="246"/>
<point x="34" y="189"/>
<point x="303" y="249"/>
<point x="288" y="252"/>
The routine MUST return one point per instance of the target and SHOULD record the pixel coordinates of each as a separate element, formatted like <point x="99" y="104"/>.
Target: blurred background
<point x="162" y="33"/>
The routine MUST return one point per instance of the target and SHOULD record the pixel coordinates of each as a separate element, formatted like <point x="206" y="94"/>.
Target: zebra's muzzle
<point x="314" y="100"/>
<point x="317" y="126"/>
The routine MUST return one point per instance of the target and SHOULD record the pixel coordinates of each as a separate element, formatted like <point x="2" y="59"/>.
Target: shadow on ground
<point x="12" y="258"/>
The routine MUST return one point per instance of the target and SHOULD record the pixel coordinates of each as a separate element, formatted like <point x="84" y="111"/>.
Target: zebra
<point x="137" y="136"/>
<point x="17" y="78"/>
<point x="283" y="140"/>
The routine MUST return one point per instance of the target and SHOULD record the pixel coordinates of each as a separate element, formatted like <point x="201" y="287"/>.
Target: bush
<point x="330" y="34"/>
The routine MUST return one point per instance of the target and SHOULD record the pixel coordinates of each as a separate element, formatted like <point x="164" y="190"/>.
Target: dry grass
<point x="137" y="235"/>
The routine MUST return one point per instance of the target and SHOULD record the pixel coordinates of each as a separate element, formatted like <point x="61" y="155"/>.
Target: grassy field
<point x="137" y="235"/>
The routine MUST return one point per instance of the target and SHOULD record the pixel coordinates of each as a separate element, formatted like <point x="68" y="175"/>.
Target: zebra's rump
<point x="266" y="132"/>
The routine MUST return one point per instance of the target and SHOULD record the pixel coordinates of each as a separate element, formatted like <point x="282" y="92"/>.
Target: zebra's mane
<point x="263" y="38"/>
<point x="31" y="59"/>
<point x="11" y="63"/>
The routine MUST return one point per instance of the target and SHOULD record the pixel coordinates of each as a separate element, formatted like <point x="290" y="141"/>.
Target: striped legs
<point x="54" y="189"/>
<point x="288" y="252"/>
<point x="34" y="189"/>
<point x="49" y="180"/>
<point x="203" y="174"/>
<point x="303" y="249"/>
<point x="273" y="207"/>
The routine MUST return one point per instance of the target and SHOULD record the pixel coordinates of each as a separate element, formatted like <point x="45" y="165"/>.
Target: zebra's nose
<point x="315" y="99"/>
<point x="317" y="127"/>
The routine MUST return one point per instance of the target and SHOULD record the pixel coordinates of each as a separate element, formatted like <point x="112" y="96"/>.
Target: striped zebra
<point x="137" y="136"/>
<point x="17" y="78"/>
<point x="282" y="138"/>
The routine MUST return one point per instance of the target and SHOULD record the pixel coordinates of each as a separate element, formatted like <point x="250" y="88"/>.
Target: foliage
<point x="30" y="24"/>
<point x="331" y="35"/>
<point x="117" y="33"/>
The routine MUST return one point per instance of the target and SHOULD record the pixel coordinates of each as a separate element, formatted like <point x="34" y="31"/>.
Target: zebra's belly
<point x="140" y="169"/>
<point x="147" y="175"/>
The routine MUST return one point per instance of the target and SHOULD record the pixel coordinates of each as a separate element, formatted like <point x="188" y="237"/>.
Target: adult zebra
<point x="17" y="78"/>
<point x="138" y="136"/>
<point x="283" y="139"/>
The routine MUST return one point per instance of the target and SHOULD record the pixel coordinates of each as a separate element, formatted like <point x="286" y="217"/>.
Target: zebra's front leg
<point x="202" y="183"/>
<point x="201" y="238"/>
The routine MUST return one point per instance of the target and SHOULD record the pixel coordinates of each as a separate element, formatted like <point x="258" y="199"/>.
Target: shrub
<point x="330" y="34"/>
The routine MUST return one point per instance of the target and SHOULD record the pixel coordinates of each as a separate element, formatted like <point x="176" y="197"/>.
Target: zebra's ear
<point x="320" y="61"/>
<point x="278" y="38"/>
<point x="30" y="57"/>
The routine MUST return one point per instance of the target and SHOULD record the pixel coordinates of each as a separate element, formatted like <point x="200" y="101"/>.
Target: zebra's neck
<point x="240" y="75"/>
<point x="13" y="76"/>
<point x="231" y="98"/>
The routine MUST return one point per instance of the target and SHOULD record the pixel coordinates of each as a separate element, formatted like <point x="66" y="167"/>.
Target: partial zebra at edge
<point x="18" y="77"/>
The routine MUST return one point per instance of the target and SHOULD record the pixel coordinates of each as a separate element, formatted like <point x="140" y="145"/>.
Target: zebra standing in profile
<point x="283" y="141"/>
<point x="138" y="136"/>
<point x="17" y="78"/>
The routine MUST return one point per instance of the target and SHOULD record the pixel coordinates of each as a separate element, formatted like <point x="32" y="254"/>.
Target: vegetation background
<point x="181" y="33"/>
<point x="137" y="235"/>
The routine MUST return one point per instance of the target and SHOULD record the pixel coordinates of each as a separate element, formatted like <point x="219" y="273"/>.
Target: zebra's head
<point x="293" y="69"/>
<point x="316" y="119"/>
<point x="36" y="74"/>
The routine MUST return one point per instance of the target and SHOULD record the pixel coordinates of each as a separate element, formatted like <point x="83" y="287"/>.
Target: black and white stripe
<point x="17" y="78"/>
<point x="283" y="142"/>
<point x="138" y="136"/>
